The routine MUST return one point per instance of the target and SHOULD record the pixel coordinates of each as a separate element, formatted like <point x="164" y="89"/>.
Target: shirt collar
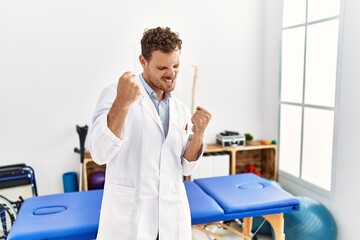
<point x="150" y="91"/>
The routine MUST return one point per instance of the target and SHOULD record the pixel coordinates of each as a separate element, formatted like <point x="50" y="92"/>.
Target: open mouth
<point x="168" y="81"/>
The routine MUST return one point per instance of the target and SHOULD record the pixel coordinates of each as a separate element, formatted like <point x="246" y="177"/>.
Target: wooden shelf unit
<point x="89" y="167"/>
<point x="263" y="157"/>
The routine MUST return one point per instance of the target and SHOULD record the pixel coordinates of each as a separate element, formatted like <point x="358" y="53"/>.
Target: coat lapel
<point x="174" y="115"/>
<point x="149" y="107"/>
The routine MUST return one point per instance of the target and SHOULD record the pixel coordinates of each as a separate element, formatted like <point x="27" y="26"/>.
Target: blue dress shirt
<point x="161" y="107"/>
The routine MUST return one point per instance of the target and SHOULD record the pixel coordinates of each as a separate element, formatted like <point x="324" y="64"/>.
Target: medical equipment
<point x="230" y="139"/>
<point x="17" y="182"/>
<point x="82" y="131"/>
<point x="75" y="215"/>
<point x="241" y="196"/>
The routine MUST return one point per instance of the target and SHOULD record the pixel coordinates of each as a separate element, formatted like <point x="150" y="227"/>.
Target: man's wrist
<point x="198" y="136"/>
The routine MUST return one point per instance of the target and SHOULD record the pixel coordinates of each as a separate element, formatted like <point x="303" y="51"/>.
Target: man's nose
<point x="171" y="72"/>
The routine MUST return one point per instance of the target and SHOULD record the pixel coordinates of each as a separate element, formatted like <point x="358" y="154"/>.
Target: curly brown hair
<point x="162" y="39"/>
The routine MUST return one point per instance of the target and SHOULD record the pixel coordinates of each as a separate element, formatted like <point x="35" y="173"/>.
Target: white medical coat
<point x="144" y="192"/>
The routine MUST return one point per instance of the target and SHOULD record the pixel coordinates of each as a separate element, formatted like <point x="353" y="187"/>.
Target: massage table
<point x="75" y="215"/>
<point x="70" y="216"/>
<point x="242" y="196"/>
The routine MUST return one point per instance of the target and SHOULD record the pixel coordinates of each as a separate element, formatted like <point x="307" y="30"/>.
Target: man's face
<point x="161" y="71"/>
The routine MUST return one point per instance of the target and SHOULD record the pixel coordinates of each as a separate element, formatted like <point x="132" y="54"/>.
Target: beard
<point x="164" y="83"/>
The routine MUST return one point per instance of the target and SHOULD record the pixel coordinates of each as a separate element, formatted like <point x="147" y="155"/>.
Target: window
<point x="307" y="90"/>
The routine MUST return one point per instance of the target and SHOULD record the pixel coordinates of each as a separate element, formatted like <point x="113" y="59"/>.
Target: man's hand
<point x="128" y="90"/>
<point x="200" y="120"/>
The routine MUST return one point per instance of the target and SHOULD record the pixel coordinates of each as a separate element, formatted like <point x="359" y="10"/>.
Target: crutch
<point x="82" y="131"/>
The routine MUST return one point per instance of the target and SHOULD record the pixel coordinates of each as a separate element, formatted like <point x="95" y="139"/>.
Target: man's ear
<point x="142" y="60"/>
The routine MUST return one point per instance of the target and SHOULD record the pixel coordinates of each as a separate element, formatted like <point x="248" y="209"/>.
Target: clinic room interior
<point x="281" y="75"/>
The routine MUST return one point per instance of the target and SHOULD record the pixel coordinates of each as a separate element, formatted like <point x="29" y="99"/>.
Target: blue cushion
<point x="73" y="215"/>
<point x="248" y="194"/>
<point x="203" y="208"/>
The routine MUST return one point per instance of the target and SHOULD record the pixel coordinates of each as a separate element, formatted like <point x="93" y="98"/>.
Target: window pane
<point x="321" y="58"/>
<point x="292" y="65"/>
<point x="317" y="147"/>
<point x="290" y="139"/>
<point x="294" y="12"/>
<point x="318" y="9"/>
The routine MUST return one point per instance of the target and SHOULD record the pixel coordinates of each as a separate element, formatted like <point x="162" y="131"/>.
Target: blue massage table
<point x="75" y="215"/>
<point x="70" y="216"/>
<point x="241" y="196"/>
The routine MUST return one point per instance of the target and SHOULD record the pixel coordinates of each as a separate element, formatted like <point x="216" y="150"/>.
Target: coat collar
<point x="149" y="107"/>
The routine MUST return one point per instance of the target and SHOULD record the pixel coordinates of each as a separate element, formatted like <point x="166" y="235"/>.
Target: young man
<point x="142" y="132"/>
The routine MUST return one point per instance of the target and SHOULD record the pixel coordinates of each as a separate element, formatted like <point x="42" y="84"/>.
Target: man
<point x="142" y="132"/>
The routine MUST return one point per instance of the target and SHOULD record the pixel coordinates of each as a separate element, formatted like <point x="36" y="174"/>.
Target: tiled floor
<point x="197" y="235"/>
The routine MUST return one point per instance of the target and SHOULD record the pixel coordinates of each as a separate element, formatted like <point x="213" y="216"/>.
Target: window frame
<point x="289" y="177"/>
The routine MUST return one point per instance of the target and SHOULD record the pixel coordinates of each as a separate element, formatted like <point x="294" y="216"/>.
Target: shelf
<point x="89" y="167"/>
<point x="263" y="158"/>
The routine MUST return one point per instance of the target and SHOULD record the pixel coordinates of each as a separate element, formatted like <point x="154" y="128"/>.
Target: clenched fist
<point x="200" y="120"/>
<point x="128" y="89"/>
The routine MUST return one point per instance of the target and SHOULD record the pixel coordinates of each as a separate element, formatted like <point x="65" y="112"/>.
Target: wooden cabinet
<point x="260" y="159"/>
<point x="89" y="167"/>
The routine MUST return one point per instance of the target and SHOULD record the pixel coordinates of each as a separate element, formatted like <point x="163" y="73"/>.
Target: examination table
<point x="75" y="215"/>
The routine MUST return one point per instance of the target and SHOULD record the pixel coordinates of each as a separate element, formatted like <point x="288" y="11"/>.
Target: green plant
<point x="248" y="137"/>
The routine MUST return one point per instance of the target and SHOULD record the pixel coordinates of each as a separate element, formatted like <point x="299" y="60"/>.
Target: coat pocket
<point x="119" y="203"/>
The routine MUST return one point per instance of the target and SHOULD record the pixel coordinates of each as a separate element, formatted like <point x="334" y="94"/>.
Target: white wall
<point x="344" y="204"/>
<point x="56" y="57"/>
